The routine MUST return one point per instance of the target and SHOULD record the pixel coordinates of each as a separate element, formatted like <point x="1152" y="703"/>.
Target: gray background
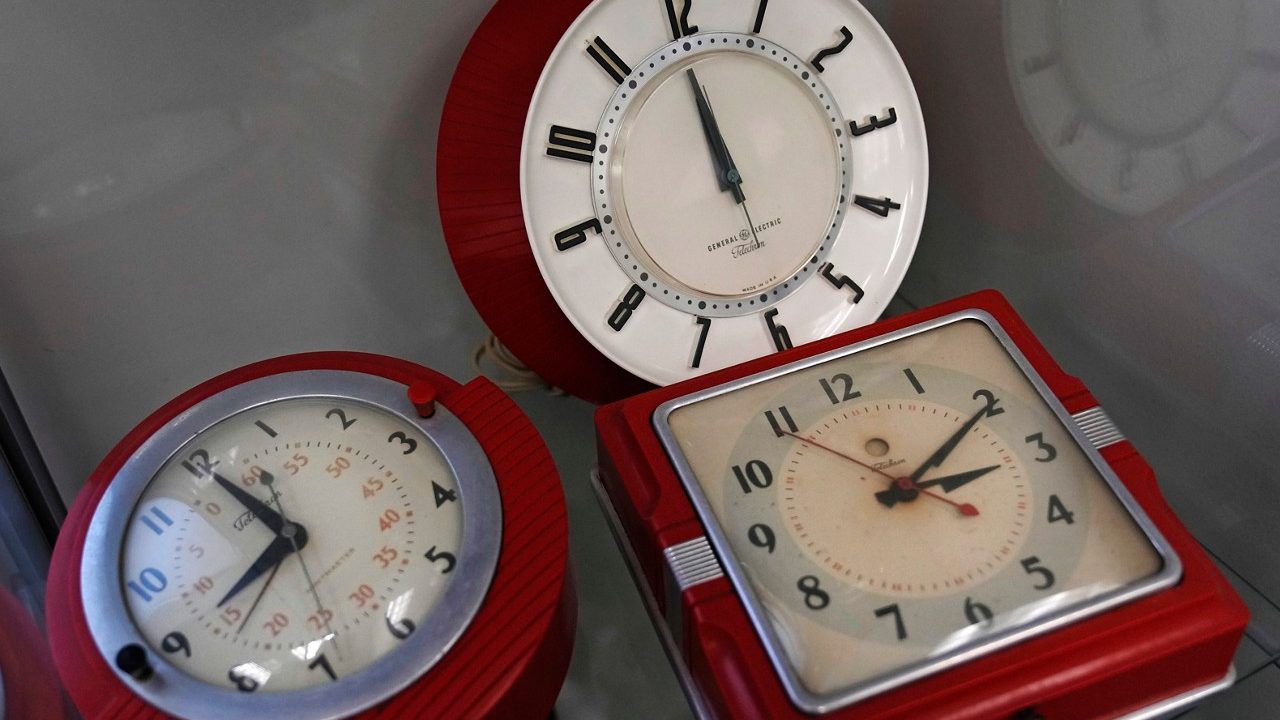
<point x="188" y="187"/>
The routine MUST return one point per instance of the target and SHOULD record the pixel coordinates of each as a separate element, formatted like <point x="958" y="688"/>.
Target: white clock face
<point x="291" y="545"/>
<point x="904" y="502"/>
<point x="708" y="182"/>
<point x="1138" y="102"/>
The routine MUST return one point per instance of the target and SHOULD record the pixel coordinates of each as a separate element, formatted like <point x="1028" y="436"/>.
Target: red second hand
<point x="966" y="509"/>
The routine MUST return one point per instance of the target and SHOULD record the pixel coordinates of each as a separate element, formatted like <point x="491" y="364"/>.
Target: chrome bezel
<point x="816" y="703"/>
<point x="111" y="624"/>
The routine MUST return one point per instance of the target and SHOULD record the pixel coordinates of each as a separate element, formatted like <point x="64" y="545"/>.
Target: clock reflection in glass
<point x="292" y="544"/>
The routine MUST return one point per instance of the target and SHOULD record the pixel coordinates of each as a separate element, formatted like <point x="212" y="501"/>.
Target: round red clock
<point x="322" y="535"/>
<point x="641" y="191"/>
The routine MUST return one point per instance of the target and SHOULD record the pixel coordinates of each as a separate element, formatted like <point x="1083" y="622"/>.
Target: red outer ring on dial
<point x="511" y="660"/>
<point x="478" y="186"/>
<point x="1119" y="661"/>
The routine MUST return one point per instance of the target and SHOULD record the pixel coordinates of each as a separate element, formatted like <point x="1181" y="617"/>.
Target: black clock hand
<point x="291" y="539"/>
<point x="260" y="510"/>
<point x="891" y="496"/>
<point x="939" y="455"/>
<point x="726" y="172"/>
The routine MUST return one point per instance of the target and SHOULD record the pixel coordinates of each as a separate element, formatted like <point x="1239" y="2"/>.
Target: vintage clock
<point x="649" y="190"/>
<point x="922" y="519"/>
<point x="318" y="536"/>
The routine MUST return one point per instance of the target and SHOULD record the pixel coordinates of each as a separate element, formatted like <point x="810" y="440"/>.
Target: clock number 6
<point x="778" y="331"/>
<point x="1032" y="565"/>
<point x="977" y="613"/>
<point x="815" y="598"/>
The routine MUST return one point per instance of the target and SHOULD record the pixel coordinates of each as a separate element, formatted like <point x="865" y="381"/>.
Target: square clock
<point x="922" y="518"/>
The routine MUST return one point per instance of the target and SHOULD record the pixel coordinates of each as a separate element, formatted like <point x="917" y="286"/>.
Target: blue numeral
<point x="152" y="523"/>
<point x="149" y="581"/>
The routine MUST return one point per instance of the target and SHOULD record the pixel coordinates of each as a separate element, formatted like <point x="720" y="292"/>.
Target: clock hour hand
<point x="891" y="496"/>
<point x="726" y="172"/>
<point x="260" y="510"/>
<point x="292" y="538"/>
<point x="941" y="454"/>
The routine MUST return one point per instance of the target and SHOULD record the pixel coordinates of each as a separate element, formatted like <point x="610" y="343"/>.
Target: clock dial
<point x="907" y="501"/>
<point x="705" y="183"/>
<point x="292" y="545"/>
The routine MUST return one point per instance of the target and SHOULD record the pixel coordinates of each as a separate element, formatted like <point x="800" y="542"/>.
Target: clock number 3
<point x="409" y="443"/>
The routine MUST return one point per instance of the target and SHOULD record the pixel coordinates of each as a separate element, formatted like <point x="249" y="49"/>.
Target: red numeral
<point x="230" y="616"/>
<point x="319" y="620"/>
<point x="277" y="624"/>
<point x="371" y="487"/>
<point x="295" y="465"/>
<point x="339" y="464"/>
<point x="251" y="477"/>
<point x="386" y="556"/>
<point x="389" y="518"/>
<point x="362" y="594"/>
<point x="204" y="584"/>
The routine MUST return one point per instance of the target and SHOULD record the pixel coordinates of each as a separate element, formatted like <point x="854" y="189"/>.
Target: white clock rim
<point x="817" y="703"/>
<point x="858" y="315"/>
<point x="111" y="625"/>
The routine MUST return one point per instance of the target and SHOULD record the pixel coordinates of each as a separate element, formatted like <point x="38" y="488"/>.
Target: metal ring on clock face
<point x="177" y="693"/>
<point x="609" y="197"/>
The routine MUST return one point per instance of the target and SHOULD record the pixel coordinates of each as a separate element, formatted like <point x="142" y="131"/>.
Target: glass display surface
<point x="905" y="504"/>
<point x="291" y="544"/>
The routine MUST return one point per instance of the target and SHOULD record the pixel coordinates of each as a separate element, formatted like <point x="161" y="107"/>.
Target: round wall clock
<point x="653" y="190"/>
<point x="318" y="536"/>
<point x="924" y="519"/>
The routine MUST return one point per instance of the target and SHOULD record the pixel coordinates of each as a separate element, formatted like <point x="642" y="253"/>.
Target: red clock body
<point x="509" y="661"/>
<point x="1165" y="644"/>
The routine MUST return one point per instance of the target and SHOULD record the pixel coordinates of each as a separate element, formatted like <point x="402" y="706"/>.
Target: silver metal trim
<point x="816" y="703"/>
<point x="1165" y="709"/>
<point x="1097" y="427"/>
<point x="660" y="624"/>
<point x="692" y="562"/>
<point x="182" y="695"/>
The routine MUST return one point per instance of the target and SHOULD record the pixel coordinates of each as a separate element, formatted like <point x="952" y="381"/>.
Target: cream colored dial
<point x="905" y="501"/>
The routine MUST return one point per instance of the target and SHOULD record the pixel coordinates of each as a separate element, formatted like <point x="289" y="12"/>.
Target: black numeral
<point x="976" y="613"/>
<point x="342" y="418"/>
<point x="847" y="392"/>
<point x="846" y="38"/>
<point x="409" y="443"/>
<point x="600" y="51"/>
<point x="622" y="313"/>
<point x="759" y="16"/>
<point x="761" y="536"/>
<point x="1032" y="566"/>
<point x="778" y="331"/>
<point x="815" y="598"/>
<point x="993" y="403"/>
<point x="1050" y="452"/>
<point x="176" y="642"/>
<point x="322" y="662"/>
<point x="680" y="23"/>
<point x="897" y="618"/>
<point x="572" y="237"/>
<point x="911" y="378"/>
<point x="755" y="474"/>
<point x="199" y="464"/>
<point x="786" y="418"/>
<point x="873" y="123"/>
<point x="1059" y="512"/>
<point x="705" y="325"/>
<point x="570" y="143"/>
<point x="878" y="206"/>
<point x="841" y="281"/>
<point x="447" y="558"/>
<point x="402" y="629"/>
<point x="265" y="428"/>
<point x="443" y="495"/>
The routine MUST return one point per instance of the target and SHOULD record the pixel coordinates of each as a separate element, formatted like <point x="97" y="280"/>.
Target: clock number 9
<point x="176" y="642"/>
<point x="761" y="536"/>
<point x="757" y="474"/>
<point x="815" y="598"/>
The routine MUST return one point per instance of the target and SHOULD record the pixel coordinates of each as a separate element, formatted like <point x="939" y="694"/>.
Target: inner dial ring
<point x="925" y="546"/>
<point x="706" y="261"/>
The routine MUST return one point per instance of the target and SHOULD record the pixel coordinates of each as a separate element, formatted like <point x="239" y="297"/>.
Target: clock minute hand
<point x="939" y="455"/>
<point x="891" y="496"/>
<point x="726" y="172"/>
<point x="280" y="548"/>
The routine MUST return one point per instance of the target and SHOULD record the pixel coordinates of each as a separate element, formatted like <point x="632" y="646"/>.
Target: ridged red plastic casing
<point x="478" y="184"/>
<point x="1127" y="658"/>
<point x="509" y="663"/>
